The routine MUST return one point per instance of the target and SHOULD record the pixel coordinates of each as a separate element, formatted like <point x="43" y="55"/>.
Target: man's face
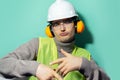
<point x="64" y="30"/>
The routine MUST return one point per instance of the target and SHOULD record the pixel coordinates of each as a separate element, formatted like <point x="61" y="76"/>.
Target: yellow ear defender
<point x="79" y="29"/>
<point x="48" y="31"/>
<point x="80" y="26"/>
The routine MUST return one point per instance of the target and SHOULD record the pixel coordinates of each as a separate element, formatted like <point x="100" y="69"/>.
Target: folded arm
<point x="19" y="63"/>
<point x="91" y="71"/>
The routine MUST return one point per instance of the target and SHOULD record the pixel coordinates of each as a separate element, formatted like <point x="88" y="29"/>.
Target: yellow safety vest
<point x="47" y="53"/>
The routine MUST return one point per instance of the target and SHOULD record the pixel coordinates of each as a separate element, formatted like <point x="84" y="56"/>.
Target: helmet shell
<point x="61" y="9"/>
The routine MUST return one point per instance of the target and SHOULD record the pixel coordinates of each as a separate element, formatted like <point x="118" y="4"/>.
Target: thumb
<point x="64" y="53"/>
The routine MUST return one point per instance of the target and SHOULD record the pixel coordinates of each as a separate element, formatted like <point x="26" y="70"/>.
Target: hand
<point x="67" y="63"/>
<point x="46" y="73"/>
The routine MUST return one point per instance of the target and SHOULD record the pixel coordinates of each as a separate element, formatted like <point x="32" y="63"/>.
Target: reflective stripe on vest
<point x="47" y="53"/>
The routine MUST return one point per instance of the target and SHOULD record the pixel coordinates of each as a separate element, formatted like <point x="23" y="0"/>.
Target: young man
<point x="57" y="57"/>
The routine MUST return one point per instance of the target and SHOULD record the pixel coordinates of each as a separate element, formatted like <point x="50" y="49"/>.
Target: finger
<point x="60" y="67"/>
<point x="64" y="53"/>
<point x="58" y="61"/>
<point x="65" y="72"/>
<point x="62" y="70"/>
<point x="57" y="76"/>
<point x="50" y="77"/>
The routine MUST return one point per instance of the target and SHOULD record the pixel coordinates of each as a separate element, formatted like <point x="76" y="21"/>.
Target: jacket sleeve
<point x="21" y="62"/>
<point x="91" y="70"/>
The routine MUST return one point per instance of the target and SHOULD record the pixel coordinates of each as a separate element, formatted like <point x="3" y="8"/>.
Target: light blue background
<point x="22" y="20"/>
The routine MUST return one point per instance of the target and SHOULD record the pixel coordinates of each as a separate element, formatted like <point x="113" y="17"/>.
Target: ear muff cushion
<point x="80" y="26"/>
<point x="48" y="32"/>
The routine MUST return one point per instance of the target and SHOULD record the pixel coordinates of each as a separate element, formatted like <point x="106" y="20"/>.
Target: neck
<point x="68" y="47"/>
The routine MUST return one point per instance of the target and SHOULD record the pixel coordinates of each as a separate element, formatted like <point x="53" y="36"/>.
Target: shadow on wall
<point x="85" y="37"/>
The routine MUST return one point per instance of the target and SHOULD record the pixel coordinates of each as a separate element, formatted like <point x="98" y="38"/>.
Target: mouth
<point x="64" y="34"/>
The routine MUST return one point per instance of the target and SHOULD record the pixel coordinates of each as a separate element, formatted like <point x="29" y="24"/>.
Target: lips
<point x="64" y="34"/>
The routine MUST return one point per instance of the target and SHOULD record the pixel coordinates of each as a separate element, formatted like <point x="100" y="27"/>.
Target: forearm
<point x="91" y="71"/>
<point x="12" y="67"/>
<point x="20" y="62"/>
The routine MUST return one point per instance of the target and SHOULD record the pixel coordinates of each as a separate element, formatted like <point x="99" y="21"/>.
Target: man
<point x="57" y="57"/>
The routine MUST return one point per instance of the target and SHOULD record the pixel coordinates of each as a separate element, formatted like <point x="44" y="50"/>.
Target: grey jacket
<point x="21" y="63"/>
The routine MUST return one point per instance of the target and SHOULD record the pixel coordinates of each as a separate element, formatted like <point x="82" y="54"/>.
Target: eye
<point x="68" y="21"/>
<point x="55" y="24"/>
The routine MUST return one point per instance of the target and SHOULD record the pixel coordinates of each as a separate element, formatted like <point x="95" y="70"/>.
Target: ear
<point x="48" y="32"/>
<point x="80" y="26"/>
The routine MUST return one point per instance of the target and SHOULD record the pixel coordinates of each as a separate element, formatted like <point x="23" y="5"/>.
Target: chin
<point x="66" y="40"/>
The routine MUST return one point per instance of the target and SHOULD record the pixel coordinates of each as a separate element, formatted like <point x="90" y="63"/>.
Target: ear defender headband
<point x="79" y="28"/>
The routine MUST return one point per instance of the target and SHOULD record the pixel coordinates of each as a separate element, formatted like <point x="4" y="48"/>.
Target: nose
<point x="62" y="27"/>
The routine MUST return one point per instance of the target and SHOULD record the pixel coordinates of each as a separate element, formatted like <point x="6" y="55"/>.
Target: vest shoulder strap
<point x="81" y="52"/>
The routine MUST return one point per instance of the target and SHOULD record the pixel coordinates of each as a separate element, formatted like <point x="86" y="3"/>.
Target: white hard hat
<point x="61" y="9"/>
